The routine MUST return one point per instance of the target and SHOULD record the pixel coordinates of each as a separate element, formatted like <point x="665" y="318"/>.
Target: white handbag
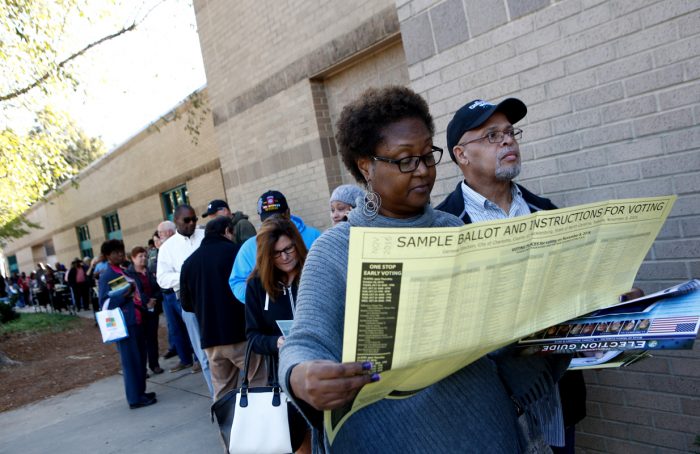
<point x="111" y="323"/>
<point x="255" y="420"/>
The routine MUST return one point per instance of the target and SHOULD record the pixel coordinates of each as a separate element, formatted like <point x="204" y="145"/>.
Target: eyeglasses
<point x="497" y="136"/>
<point x="411" y="163"/>
<point x="188" y="220"/>
<point x="289" y="250"/>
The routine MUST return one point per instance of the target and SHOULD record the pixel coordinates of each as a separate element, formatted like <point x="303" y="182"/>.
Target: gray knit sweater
<point x="469" y="411"/>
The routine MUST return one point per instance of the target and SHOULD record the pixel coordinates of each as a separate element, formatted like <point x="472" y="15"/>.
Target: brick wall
<point x="265" y="63"/>
<point x="612" y="89"/>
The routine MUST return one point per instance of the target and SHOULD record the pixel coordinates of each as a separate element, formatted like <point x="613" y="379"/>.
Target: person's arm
<point x="242" y="267"/>
<point x="310" y="368"/>
<point x="255" y="321"/>
<point x="103" y="292"/>
<point x="167" y="275"/>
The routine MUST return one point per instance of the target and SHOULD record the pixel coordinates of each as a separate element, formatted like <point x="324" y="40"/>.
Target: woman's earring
<point x="372" y="202"/>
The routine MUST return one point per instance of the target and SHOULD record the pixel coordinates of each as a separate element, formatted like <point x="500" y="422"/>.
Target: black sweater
<point x="261" y="327"/>
<point x="204" y="290"/>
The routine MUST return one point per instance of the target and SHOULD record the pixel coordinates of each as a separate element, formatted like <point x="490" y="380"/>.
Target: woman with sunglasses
<point x="271" y="295"/>
<point x="386" y="141"/>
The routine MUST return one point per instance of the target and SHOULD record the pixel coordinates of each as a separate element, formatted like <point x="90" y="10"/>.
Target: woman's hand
<point x="326" y="385"/>
<point x="280" y="342"/>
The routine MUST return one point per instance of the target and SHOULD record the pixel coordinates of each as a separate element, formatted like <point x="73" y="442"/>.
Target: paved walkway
<point x="97" y="419"/>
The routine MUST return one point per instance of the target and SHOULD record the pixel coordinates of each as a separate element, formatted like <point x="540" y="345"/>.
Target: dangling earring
<point x="372" y="202"/>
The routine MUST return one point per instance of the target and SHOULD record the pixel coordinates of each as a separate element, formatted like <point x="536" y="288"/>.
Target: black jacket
<point x="572" y="388"/>
<point x="204" y="290"/>
<point x="261" y="327"/>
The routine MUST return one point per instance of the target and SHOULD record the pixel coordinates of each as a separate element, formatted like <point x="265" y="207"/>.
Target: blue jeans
<point x="193" y="330"/>
<point x="177" y="328"/>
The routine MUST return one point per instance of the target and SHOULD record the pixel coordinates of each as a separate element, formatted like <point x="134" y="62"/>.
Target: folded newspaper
<point x="666" y="320"/>
<point x="119" y="286"/>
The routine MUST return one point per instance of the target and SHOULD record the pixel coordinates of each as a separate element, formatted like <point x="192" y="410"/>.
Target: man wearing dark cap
<point x="271" y="203"/>
<point x="243" y="229"/>
<point x="483" y="142"/>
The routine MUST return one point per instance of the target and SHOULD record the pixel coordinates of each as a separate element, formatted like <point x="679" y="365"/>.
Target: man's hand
<point x="632" y="294"/>
<point x="151" y="303"/>
<point x="280" y="342"/>
<point x="326" y="385"/>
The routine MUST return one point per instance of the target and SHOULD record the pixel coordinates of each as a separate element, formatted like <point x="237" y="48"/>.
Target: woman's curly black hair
<point x="362" y="121"/>
<point x="110" y="246"/>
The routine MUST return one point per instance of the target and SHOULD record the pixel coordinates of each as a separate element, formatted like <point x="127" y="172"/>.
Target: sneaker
<point x="157" y="370"/>
<point x="170" y="354"/>
<point x="180" y="367"/>
<point x="196" y="368"/>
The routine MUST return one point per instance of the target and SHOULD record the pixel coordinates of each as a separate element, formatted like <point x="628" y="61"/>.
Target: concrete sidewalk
<point x="98" y="419"/>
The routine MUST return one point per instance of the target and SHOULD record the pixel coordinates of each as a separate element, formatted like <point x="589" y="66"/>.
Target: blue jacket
<point x="126" y="303"/>
<point x="245" y="260"/>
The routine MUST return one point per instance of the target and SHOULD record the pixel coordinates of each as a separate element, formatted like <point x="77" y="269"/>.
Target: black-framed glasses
<point x="497" y="136"/>
<point x="411" y="163"/>
<point x="289" y="250"/>
<point x="187" y="220"/>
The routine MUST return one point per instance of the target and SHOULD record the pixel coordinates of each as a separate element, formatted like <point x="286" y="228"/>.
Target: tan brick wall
<point x="246" y="41"/>
<point x="387" y="67"/>
<point x="613" y="91"/>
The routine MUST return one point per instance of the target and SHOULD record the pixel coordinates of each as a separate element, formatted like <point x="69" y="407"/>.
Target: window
<point x="49" y="249"/>
<point x="173" y="198"/>
<point x="12" y="262"/>
<point x="113" y="230"/>
<point x="84" y="242"/>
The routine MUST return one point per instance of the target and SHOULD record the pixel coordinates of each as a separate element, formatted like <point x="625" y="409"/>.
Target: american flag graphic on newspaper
<point x="673" y="325"/>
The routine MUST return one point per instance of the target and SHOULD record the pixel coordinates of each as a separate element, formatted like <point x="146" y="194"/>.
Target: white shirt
<point x="480" y="208"/>
<point x="172" y="255"/>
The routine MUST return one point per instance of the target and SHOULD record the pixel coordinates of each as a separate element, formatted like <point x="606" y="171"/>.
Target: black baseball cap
<point x="272" y="202"/>
<point x="214" y="206"/>
<point x="474" y="113"/>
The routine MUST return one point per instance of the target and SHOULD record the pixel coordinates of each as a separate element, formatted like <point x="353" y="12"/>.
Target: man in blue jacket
<point x="269" y="204"/>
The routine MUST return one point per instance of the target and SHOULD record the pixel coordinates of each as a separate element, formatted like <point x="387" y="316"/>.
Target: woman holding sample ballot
<point x="385" y="139"/>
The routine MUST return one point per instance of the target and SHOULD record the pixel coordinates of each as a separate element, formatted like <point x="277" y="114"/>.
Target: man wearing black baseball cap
<point x="483" y="142"/>
<point x="217" y="207"/>
<point x="242" y="230"/>
<point x="271" y="203"/>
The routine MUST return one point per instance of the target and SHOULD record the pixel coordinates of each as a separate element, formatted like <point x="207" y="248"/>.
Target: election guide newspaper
<point x="667" y="320"/>
<point x="423" y="303"/>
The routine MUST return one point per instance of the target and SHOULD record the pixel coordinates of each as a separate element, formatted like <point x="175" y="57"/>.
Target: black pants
<point x="149" y="327"/>
<point x="81" y="294"/>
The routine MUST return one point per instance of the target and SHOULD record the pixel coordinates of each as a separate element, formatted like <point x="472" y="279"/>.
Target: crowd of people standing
<point x="225" y="287"/>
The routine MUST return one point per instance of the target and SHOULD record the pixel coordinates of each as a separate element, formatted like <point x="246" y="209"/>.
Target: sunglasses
<point x="187" y="220"/>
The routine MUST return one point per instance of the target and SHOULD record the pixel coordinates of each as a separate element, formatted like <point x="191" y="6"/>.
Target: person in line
<point x="165" y="230"/>
<point x="149" y="299"/>
<point x="178" y="338"/>
<point x="242" y="230"/>
<point x="204" y="290"/>
<point x="170" y="259"/>
<point x="269" y="204"/>
<point x="343" y="199"/>
<point x="129" y="351"/>
<point x="483" y="141"/>
<point x="79" y="283"/>
<point x="271" y="296"/>
<point x="386" y="141"/>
